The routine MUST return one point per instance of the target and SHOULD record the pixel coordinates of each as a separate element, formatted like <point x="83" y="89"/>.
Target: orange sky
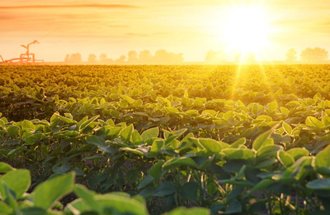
<point x="186" y="26"/>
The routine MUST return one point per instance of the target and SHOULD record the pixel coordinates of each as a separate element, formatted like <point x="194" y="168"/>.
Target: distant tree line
<point x="132" y="58"/>
<point x="308" y="55"/>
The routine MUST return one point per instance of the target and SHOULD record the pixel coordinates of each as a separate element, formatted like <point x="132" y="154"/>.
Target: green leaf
<point x="145" y="182"/>
<point x="156" y="170"/>
<point x="127" y="132"/>
<point x="113" y="203"/>
<point x="234" y="207"/>
<point x="213" y="145"/>
<point x="164" y="189"/>
<point x="18" y="181"/>
<point x="34" y="211"/>
<point x="5" y="209"/>
<point x="238" y="143"/>
<point x="84" y="124"/>
<point x="4" y="167"/>
<point x="48" y="192"/>
<point x="319" y="184"/>
<point x="136" y="137"/>
<point x="285" y="158"/>
<point x="181" y="161"/>
<point x="150" y="134"/>
<point x="190" y="211"/>
<point x="314" y="122"/>
<point x="322" y="161"/>
<point x="13" y="131"/>
<point x="87" y="195"/>
<point x="244" y="154"/>
<point x="287" y="128"/>
<point x="263" y="184"/>
<point x="297" y="153"/>
<point x="261" y="140"/>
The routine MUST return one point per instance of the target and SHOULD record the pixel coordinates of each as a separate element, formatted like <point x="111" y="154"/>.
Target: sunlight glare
<point x="245" y="29"/>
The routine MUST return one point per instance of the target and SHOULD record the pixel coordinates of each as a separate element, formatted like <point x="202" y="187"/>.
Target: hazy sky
<point x="186" y="26"/>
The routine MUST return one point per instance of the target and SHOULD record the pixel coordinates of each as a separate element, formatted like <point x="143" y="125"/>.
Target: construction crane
<point x="24" y="58"/>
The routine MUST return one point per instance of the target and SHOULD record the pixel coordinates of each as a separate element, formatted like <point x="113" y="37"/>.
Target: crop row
<point x="263" y="174"/>
<point x="28" y="92"/>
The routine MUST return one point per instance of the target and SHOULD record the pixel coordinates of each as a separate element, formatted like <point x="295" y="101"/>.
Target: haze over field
<point x="265" y="29"/>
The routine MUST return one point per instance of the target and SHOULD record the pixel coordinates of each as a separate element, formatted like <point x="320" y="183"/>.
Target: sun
<point x="245" y="29"/>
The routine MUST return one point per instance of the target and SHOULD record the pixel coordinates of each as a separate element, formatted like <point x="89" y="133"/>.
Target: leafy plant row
<point x="262" y="174"/>
<point x="28" y="92"/>
<point x="45" y="198"/>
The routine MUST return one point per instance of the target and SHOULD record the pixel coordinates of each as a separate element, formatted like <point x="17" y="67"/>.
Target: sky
<point x="191" y="27"/>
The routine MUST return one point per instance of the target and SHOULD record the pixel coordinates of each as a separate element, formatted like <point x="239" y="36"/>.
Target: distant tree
<point x="214" y="57"/>
<point x="145" y="57"/>
<point x="67" y="58"/>
<point x="132" y="57"/>
<point x="164" y="57"/>
<point x="314" y="55"/>
<point x="103" y="59"/>
<point x="73" y="58"/>
<point x="291" y="56"/>
<point x="92" y="59"/>
<point x="121" y="60"/>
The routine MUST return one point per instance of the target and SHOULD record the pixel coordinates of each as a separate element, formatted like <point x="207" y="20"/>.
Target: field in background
<point x="234" y="139"/>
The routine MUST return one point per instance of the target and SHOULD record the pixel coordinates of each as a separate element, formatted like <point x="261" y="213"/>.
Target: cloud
<point x="55" y="6"/>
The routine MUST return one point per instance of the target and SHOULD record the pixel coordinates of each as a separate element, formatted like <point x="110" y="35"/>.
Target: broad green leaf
<point x="113" y="203"/>
<point x="34" y="211"/>
<point x="297" y="153"/>
<point x="261" y="140"/>
<point x="150" y="134"/>
<point x="127" y="132"/>
<point x="164" y="189"/>
<point x="5" y="209"/>
<point x="18" y="181"/>
<point x="268" y="151"/>
<point x="87" y="195"/>
<point x="181" y="161"/>
<point x="322" y="161"/>
<point x="131" y="150"/>
<point x="263" y="184"/>
<point x="238" y="143"/>
<point x="189" y="211"/>
<point x="156" y="170"/>
<point x="287" y="128"/>
<point x="285" y="158"/>
<point x="83" y="125"/>
<point x="244" y="154"/>
<point x="4" y="167"/>
<point x="13" y="131"/>
<point x="314" y="122"/>
<point x="319" y="184"/>
<point x="136" y="137"/>
<point x="234" y="207"/>
<point x="156" y="146"/>
<point x="48" y="192"/>
<point x="212" y="145"/>
<point x="145" y="182"/>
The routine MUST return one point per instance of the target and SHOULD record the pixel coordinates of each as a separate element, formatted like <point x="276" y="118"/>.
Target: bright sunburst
<point x="246" y="29"/>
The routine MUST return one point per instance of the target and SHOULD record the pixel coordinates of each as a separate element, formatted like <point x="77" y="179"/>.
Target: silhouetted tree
<point x="145" y="57"/>
<point x="314" y="55"/>
<point x="132" y="57"/>
<point x="92" y="59"/>
<point x="214" y="57"/>
<point x="121" y="60"/>
<point x="73" y="59"/>
<point x="291" y="56"/>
